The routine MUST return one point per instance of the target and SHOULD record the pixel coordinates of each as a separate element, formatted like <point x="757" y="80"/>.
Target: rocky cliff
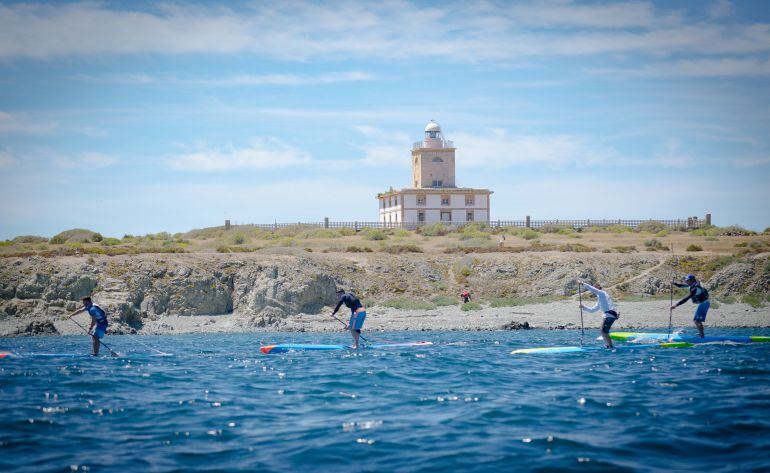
<point x="260" y="290"/>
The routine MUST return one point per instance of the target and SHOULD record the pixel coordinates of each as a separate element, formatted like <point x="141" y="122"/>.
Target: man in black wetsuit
<point x="357" y="313"/>
<point x="699" y="296"/>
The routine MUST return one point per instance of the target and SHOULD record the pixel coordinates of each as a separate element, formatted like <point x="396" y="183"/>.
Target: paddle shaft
<point x="580" y="297"/>
<point x="671" y="299"/>
<point x="112" y="352"/>
<point x="346" y="326"/>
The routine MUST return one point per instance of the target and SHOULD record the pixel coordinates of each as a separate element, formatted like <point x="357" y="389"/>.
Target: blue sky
<point x="136" y="117"/>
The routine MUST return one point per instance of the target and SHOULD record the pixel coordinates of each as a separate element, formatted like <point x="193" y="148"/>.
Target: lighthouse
<point x="433" y="195"/>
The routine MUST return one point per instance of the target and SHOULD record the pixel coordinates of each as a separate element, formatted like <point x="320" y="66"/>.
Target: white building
<point x="435" y="196"/>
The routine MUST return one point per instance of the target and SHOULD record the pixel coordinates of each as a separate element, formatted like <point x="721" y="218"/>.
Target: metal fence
<point x="688" y="223"/>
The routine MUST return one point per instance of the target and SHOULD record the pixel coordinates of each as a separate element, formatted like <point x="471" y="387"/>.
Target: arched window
<point x="438" y="160"/>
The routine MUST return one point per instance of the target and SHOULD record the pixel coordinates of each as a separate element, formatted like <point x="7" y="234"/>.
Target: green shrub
<point x="576" y="248"/>
<point x="766" y="231"/>
<point x="5" y="243"/>
<point x="75" y="235"/>
<point x="109" y="241"/>
<point x="528" y="234"/>
<point x="471" y="306"/>
<point x="662" y="233"/>
<point x="443" y="301"/>
<point x="97" y="237"/>
<point x="625" y="249"/>
<point x="235" y="249"/>
<point x="694" y="247"/>
<point x="347" y="231"/>
<point x="754" y="300"/>
<point x="554" y="228"/>
<point x="742" y="244"/>
<point x="732" y="230"/>
<point x="654" y="245"/>
<point x="29" y="239"/>
<point x="652" y="226"/>
<point x="619" y="229"/>
<point x="58" y="240"/>
<point x="711" y="238"/>
<point x="358" y="249"/>
<point x="756" y="245"/>
<point x="401" y="233"/>
<point x="404" y="303"/>
<point x="698" y="232"/>
<point x="434" y="229"/>
<point x="323" y="233"/>
<point x="398" y="249"/>
<point x="238" y="239"/>
<point x="728" y="299"/>
<point x="374" y="235"/>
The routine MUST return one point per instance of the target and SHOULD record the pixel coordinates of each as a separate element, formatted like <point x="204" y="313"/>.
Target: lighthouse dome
<point x="432" y="126"/>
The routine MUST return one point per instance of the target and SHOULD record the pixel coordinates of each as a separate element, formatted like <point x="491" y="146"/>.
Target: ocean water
<point x="463" y="404"/>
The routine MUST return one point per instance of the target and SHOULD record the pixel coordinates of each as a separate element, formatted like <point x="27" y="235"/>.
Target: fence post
<point x="527" y="220"/>
<point x="275" y="225"/>
<point x="227" y="224"/>
<point x="326" y="222"/>
<point x="708" y="219"/>
<point x="355" y="225"/>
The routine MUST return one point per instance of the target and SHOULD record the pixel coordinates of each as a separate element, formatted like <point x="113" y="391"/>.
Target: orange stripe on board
<point x="267" y="349"/>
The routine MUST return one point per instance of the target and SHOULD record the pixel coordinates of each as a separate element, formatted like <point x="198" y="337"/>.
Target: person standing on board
<point x="98" y="319"/>
<point x="603" y="302"/>
<point x="700" y="296"/>
<point x="357" y="313"/>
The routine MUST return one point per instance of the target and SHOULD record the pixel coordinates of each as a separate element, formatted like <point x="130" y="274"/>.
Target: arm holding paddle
<point x="595" y="292"/>
<point x="689" y="296"/>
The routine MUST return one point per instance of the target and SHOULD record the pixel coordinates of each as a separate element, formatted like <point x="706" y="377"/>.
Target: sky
<point x="136" y="117"/>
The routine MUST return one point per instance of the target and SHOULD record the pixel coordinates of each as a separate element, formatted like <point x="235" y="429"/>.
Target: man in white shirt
<point x="603" y="302"/>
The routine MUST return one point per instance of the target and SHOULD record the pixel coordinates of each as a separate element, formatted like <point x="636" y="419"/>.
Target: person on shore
<point x="357" y="313"/>
<point x="699" y="296"/>
<point x="98" y="326"/>
<point x="603" y="302"/>
<point x="465" y="296"/>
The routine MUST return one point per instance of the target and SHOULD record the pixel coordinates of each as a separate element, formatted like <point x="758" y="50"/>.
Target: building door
<point x="446" y="216"/>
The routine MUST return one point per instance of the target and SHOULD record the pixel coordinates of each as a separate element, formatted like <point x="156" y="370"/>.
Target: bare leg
<point x="355" y="335"/>
<point x="96" y="345"/>
<point x="607" y="340"/>
<point x="699" y="325"/>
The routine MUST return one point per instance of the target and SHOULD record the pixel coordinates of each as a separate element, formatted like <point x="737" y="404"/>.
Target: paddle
<point x="112" y="352"/>
<point x="671" y="298"/>
<point x="346" y="326"/>
<point x="580" y="297"/>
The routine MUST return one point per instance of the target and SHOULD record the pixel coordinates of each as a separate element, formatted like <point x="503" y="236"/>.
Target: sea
<point x="214" y="402"/>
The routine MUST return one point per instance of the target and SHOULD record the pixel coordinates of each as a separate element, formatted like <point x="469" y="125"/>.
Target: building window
<point x="421" y="199"/>
<point x="438" y="160"/>
<point x="438" y="183"/>
<point x="469" y="200"/>
<point x="444" y="200"/>
<point x="395" y="200"/>
<point x="469" y="216"/>
<point x="446" y="216"/>
<point x="420" y="216"/>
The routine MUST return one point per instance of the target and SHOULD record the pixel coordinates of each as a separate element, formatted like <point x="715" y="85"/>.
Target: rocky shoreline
<point x="153" y="294"/>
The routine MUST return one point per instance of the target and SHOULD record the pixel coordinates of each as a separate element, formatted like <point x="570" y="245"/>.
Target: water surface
<point x="464" y="403"/>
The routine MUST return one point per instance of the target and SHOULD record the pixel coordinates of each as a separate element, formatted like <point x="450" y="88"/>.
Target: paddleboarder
<point x="699" y="296"/>
<point x="98" y="326"/>
<point x="357" y="313"/>
<point x="603" y="302"/>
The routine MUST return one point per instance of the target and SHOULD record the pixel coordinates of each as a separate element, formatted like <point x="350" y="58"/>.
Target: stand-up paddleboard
<point x="283" y="348"/>
<point x="4" y="354"/>
<point x="675" y="337"/>
<point x="557" y="350"/>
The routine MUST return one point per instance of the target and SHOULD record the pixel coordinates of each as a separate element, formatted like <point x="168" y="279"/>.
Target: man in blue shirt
<point x="98" y="319"/>
<point x="700" y="296"/>
<point x="357" y="313"/>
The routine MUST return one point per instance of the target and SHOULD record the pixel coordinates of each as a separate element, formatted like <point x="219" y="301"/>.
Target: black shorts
<point x="608" y="321"/>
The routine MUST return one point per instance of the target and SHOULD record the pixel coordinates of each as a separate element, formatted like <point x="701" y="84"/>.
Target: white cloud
<point x="750" y="162"/>
<point x="722" y="67"/>
<point x="240" y="80"/>
<point x="501" y="148"/>
<point x="14" y="123"/>
<point x="7" y="161"/>
<point x="303" y="30"/>
<point x="85" y="161"/>
<point x="262" y="153"/>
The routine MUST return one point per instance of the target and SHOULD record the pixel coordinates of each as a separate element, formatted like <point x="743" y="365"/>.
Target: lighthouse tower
<point x="433" y="160"/>
<point x="434" y="196"/>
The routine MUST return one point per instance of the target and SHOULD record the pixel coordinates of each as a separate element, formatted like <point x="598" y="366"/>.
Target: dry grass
<point x="476" y="239"/>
